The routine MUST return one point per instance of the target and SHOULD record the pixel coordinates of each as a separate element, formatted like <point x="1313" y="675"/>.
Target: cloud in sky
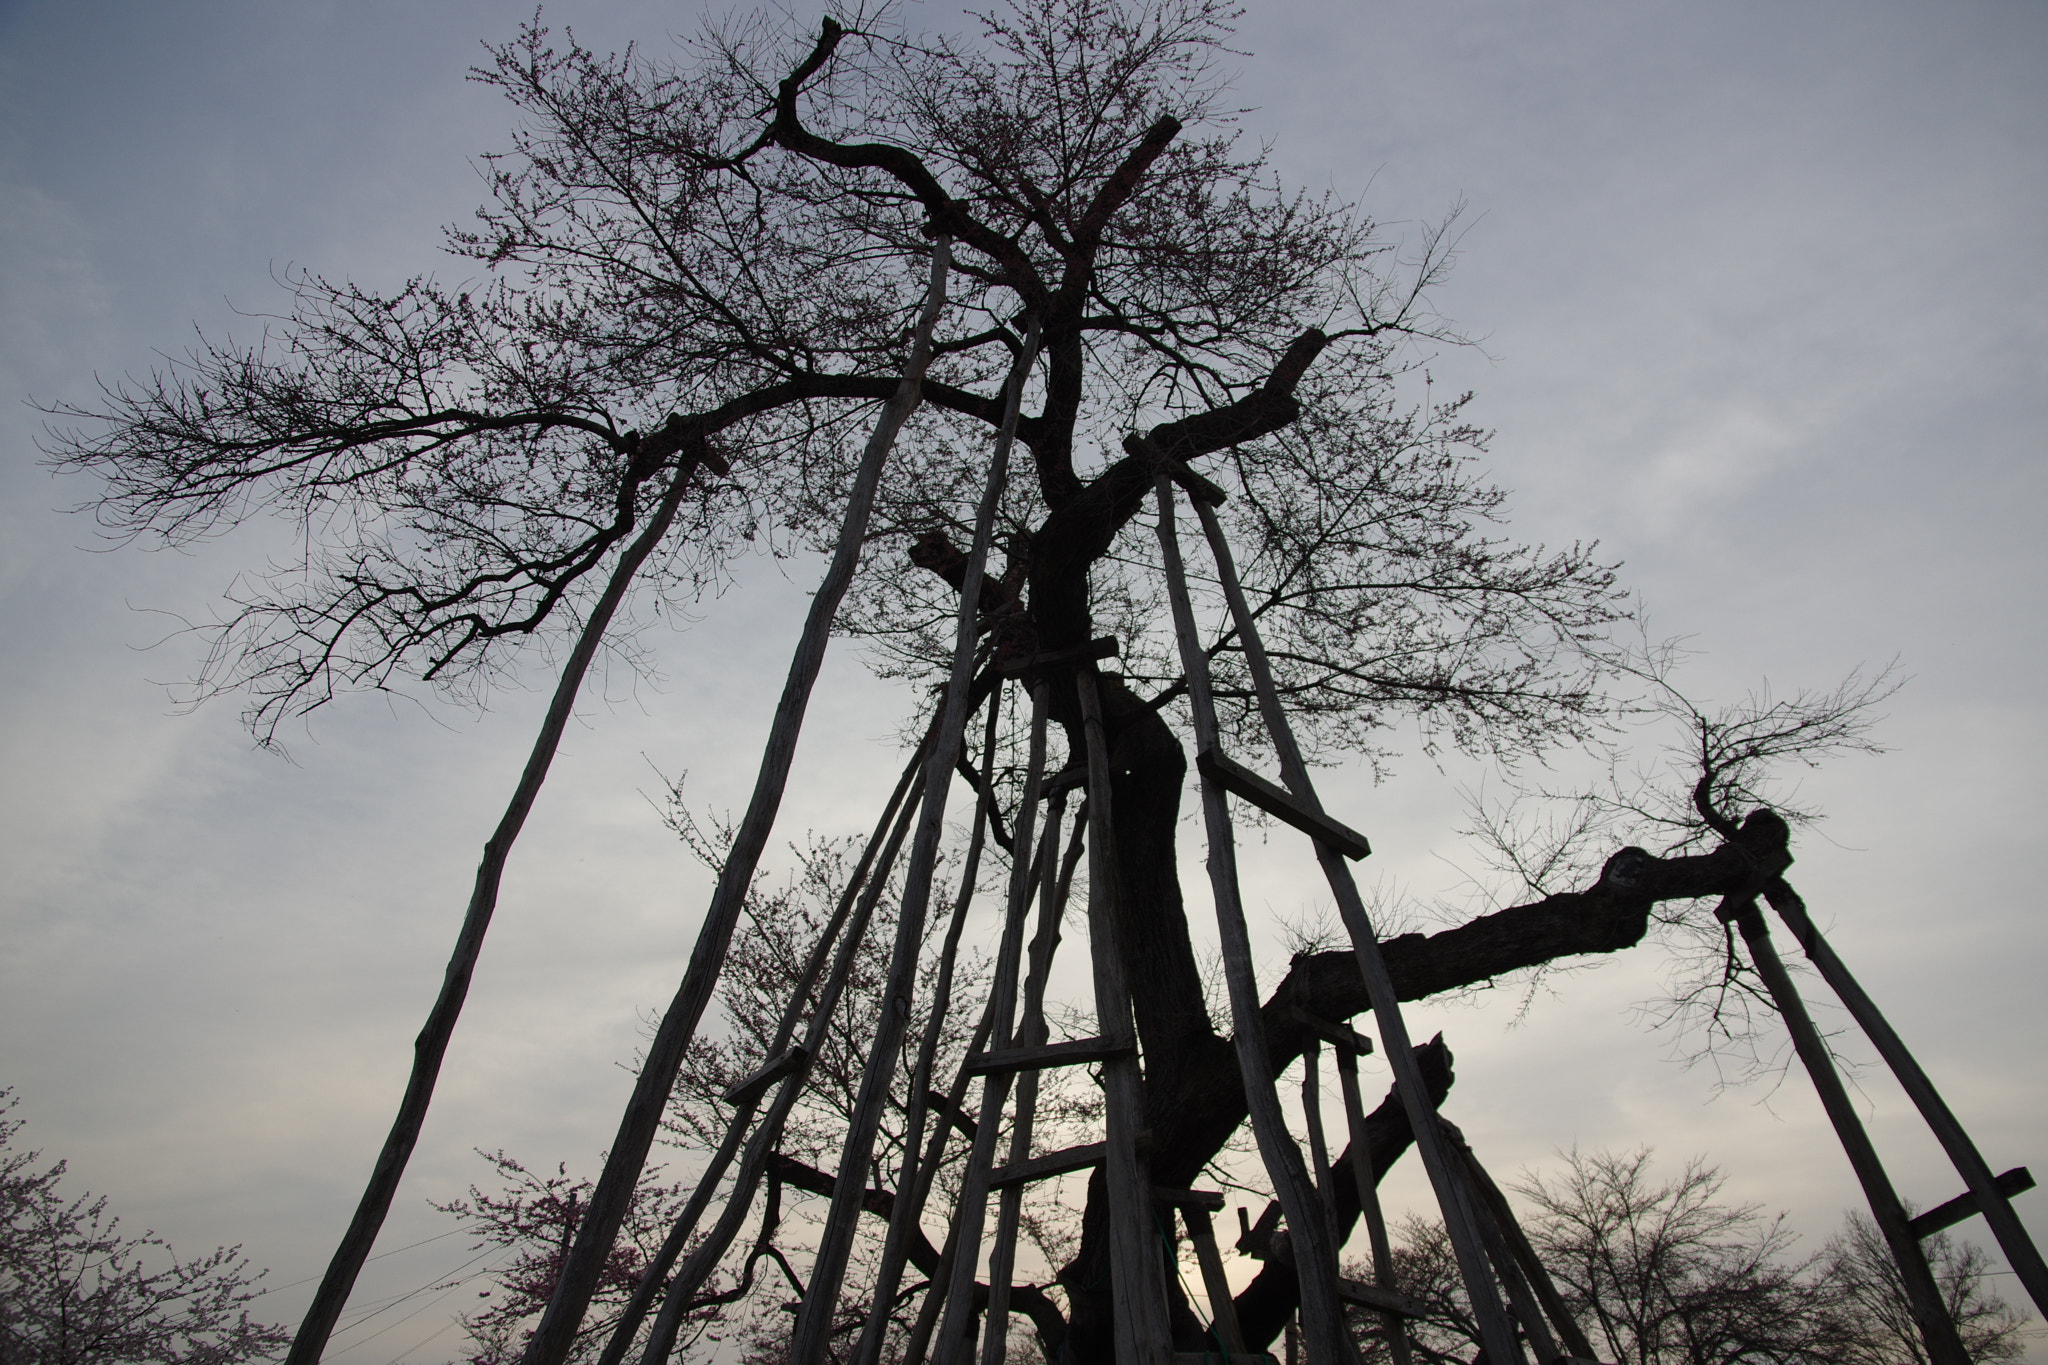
<point x="1760" y="300"/>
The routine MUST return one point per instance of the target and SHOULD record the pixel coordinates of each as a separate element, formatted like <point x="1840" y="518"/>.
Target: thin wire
<point x="386" y="1305"/>
<point x="399" y="1360"/>
<point x="280" y="1288"/>
<point x="402" y="1321"/>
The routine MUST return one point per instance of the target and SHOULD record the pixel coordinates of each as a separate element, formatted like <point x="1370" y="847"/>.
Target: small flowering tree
<point x="537" y="1214"/>
<point x="74" y="1287"/>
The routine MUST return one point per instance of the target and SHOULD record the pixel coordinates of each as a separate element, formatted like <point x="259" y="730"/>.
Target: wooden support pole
<point x="1930" y="1315"/>
<point x="562" y="1321"/>
<point x="1138" y="1302"/>
<point x="704" y="1257"/>
<point x="1369" y="1203"/>
<point x="430" y="1047"/>
<point x="1521" y="1302"/>
<point x="1002" y="1255"/>
<point x="2020" y="1252"/>
<point x="1222" y="1307"/>
<point x="654" y="1276"/>
<point x="914" y="1179"/>
<point x="1495" y="1203"/>
<point x="1315" y="1252"/>
<point x="970" y="1207"/>
<point x="1312" y="1116"/>
<point x="810" y="1342"/>
<point x="935" y="1299"/>
<point x="1495" y="1331"/>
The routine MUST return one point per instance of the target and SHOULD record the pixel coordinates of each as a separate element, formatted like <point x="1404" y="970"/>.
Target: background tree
<point x="75" y="1288"/>
<point x="1665" y="1272"/>
<point x="1862" y="1272"/>
<point x="534" y="1215"/>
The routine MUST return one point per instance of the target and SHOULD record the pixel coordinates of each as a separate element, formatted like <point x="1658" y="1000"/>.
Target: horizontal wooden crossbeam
<point x="1335" y="1034"/>
<point x="1275" y="800"/>
<point x="1212" y="1200"/>
<point x="752" y="1086"/>
<point x="1045" y="1167"/>
<point x="1372" y="1296"/>
<point x="1104" y="647"/>
<point x="1965" y="1205"/>
<point x="942" y="1104"/>
<point x="1075" y="1052"/>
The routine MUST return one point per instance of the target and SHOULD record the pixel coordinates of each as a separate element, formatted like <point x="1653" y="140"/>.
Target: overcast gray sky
<point x="1763" y="310"/>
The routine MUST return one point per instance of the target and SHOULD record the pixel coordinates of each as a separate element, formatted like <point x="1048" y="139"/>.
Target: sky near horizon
<point x="1760" y="306"/>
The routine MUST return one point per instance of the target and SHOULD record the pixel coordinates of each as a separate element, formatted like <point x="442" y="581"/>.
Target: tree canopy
<point x="718" y="256"/>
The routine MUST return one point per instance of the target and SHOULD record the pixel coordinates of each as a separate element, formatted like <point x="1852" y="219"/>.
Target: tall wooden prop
<point x="746" y="1097"/>
<point x="1930" y="1315"/>
<point x="828" y="1270"/>
<point x="1137" y="1290"/>
<point x="1985" y="1190"/>
<point x="1349" y="1047"/>
<point x="915" y="1170"/>
<point x="1298" y="804"/>
<point x="1030" y="1034"/>
<point x="971" y="1205"/>
<point x="787" y="1074"/>
<point x="1309" y="1230"/>
<point x="556" y="1334"/>
<point x="430" y="1048"/>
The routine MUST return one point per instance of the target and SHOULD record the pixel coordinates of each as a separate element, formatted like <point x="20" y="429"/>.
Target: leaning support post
<point x="1222" y="1307"/>
<point x="913" y="1178"/>
<point x="810" y="1341"/>
<point x="1002" y="1254"/>
<point x="1495" y="1331"/>
<point x="703" y="1259"/>
<point x="430" y="1048"/>
<point x="1312" y="1117"/>
<point x="971" y="1206"/>
<point x="556" y="1334"/>
<point x="1138" y="1300"/>
<point x="1518" y="1245"/>
<point x="654" y="1276"/>
<point x="1391" y="1324"/>
<point x="1923" y="1295"/>
<point x="2020" y="1252"/>
<point x="1315" y="1251"/>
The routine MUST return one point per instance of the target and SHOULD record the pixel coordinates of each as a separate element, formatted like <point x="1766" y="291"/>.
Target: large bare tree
<point x="696" y="280"/>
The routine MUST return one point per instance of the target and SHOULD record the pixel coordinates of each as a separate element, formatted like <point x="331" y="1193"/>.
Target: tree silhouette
<point x="697" y="279"/>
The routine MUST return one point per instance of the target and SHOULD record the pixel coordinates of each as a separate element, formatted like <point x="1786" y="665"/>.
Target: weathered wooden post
<point x="1937" y="1329"/>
